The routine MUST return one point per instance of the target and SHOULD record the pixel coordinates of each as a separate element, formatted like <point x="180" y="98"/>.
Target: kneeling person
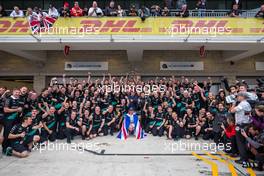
<point x="21" y="143"/>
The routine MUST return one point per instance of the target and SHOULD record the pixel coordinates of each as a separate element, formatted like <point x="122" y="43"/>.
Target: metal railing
<point x="197" y="13"/>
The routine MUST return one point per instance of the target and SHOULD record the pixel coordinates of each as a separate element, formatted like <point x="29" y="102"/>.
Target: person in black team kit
<point x="175" y="127"/>
<point x="63" y="113"/>
<point x="86" y="121"/>
<point x="110" y="124"/>
<point x="97" y="123"/>
<point x="192" y="127"/>
<point x="49" y="124"/>
<point x="12" y="112"/>
<point x="21" y="142"/>
<point x="73" y="125"/>
<point x="158" y="128"/>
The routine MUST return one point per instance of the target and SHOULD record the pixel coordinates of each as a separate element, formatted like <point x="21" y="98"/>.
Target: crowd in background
<point x="177" y="108"/>
<point x="74" y="10"/>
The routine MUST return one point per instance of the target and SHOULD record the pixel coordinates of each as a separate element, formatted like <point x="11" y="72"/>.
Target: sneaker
<point x="196" y="138"/>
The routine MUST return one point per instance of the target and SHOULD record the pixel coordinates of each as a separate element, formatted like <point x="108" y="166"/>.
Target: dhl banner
<point x="134" y="26"/>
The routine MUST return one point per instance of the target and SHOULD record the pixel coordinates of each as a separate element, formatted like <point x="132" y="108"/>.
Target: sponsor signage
<point x="81" y="66"/>
<point x="181" y="66"/>
<point x="134" y="25"/>
<point x="259" y="66"/>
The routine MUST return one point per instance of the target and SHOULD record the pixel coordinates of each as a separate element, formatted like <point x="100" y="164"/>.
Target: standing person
<point x="65" y="12"/>
<point x="111" y="10"/>
<point x="76" y="11"/>
<point x="143" y="13"/>
<point x="242" y="117"/>
<point x="238" y="3"/>
<point x="53" y="12"/>
<point x="201" y="6"/>
<point x="120" y="11"/>
<point x="49" y="123"/>
<point x="2" y="11"/>
<point x="12" y="112"/>
<point x="17" y="13"/>
<point x="95" y="11"/>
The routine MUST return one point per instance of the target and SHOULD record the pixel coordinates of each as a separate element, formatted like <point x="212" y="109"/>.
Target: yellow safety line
<point x="225" y="155"/>
<point x="230" y="166"/>
<point x="251" y="172"/>
<point x="213" y="165"/>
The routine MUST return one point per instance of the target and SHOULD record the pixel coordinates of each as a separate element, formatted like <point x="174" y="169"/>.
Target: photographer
<point x="95" y="11"/>
<point x="255" y="140"/>
<point x="242" y="116"/>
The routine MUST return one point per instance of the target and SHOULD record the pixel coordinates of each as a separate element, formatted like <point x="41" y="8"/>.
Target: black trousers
<point x="242" y="146"/>
<point x="177" y="131"/>
<point x="8" y="124"/>
<point x="70" y="133"/>
<point x="46" y="136"/>
<point x="106" y="129"/>
<point x="157" y="132"/>
<point x="208" y="135"/>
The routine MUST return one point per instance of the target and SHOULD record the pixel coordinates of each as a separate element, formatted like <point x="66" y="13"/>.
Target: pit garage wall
<point x="214" y="65"/>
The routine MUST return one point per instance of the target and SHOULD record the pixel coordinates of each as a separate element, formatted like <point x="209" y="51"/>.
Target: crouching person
<point x="110" y="120"/>
<point x="97" y="123"/>
<point x="21" y="142"/>
<point x="73" y="125"/>
<point x="158" y="127"/>
<point x="176" y="127"/>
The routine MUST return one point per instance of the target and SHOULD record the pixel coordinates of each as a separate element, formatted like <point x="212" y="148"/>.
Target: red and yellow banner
<point x="134" y="26"/>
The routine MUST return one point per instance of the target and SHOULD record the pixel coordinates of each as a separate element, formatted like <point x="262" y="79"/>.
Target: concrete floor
<point x="109" y="156"/>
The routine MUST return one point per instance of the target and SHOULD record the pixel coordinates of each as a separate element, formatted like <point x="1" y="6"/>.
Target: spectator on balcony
<point x="165" y="12"/>
<point x="31" y="15"/>
<point x="133" y="11"/>
<point x="168" y="3"/>
<point x="16" y="13"/>
<point x="111" y="10"/>
<point x="85" y="11"/>
<point x="201" y="6"/>
<point x="184" y="12"/>
<point x="95" y="11"/>
<point x="143" y="13"/>
<point x="238" y="3"/>
<point x="155" y="11"/>
<point x="65" y="12"/>
<point x="180" y="3"/>
<point x="76" y="11"/>
<point x="53" y="12"/>
<point x="120" y="11"/>
<point x="235" y="12"/>
<point x="260" y="13"/>
<point x="2" y="11"/>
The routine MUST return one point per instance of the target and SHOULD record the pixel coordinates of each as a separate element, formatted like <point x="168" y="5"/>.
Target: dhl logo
<point x="153" y="26"/>
<point x="20" y="26"/>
